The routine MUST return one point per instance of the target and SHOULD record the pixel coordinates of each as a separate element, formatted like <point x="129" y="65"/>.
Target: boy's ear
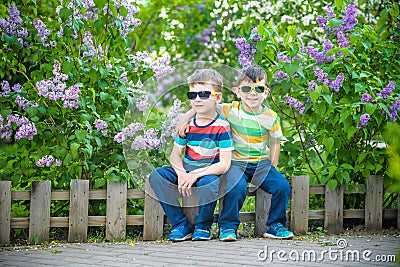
<point x="219" y="98"/>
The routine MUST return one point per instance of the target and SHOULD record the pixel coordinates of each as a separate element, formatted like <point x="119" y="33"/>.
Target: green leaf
<point x="291" y="68"/>
<point x="81" y="134"/>
<point x="65" y="13"/>
<point x="370" y="108"/>
<point x="74" y="149"/>
<point x="359" y="87"/>
<point x="99" y="182"/>
<point x="314" y="95"/>
<point x="332" y="184"/>
<point x="351" y="131"/>
<point x="332" y="170"/>
<point x="347" y="166"/>
<point x="329" y="142"/>
<point x="327" y="98"/>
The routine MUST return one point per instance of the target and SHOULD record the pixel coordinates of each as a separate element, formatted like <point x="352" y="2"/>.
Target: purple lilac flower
<point x="281" y="76"/>
<point x="100" y="124"/>
<point x="26" y="128"/>
<point x="341" y="39"/>
<point x="129" y="21"/>
<point x="337" y="83"/>
<point x="5" y="130"/>
<point x="168" y="127"/>
<point x="312" y="85"/>
<point x="43" y="32"/>
<point x="247" y="51"/>
<point x="283" y="57"/>
<point x="321" y="75"/>
<point x="5" y="88"/>
<point x="149" y="140"/>
<point x="296" y="104"/>
<point x="71" y="97"/>
<point x="128" y="131"/>
<point x="366" y="98"/>
<point x="24" y="103"/>
<point x="142" y="103"/>
<point x="16" y="88"/>
<point x="394" y="110"/>
<point x="161" y="67"/>
<point x="48" y="161"/>
<point x="363" y="120"/>
<point x="387" y="90"/>
<point x="255" y="36"/>
<point x="350" y="20"/>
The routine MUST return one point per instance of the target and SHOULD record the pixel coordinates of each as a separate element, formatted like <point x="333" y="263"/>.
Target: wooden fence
<point x="40" y="196"/>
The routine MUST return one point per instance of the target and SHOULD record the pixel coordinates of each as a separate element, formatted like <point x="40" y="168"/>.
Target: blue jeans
<point x="164" y="182"/>
<point x="262" y="175"/>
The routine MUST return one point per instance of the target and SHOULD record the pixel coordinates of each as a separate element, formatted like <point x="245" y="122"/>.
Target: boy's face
<point x="252" y="100"/>
<point x="201" y="103"/>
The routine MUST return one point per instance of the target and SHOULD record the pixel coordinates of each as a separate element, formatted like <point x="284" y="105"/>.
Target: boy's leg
<point x="164" y="183"/>
<point x="234" y="196"/>
<point x="207" y="191"/>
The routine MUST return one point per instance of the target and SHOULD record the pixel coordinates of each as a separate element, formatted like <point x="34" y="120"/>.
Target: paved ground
<point x="377" y="250"/>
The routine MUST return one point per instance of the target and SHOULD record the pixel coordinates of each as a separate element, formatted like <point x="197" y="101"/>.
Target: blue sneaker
<point x="278" y="231"/>
<point x="201" y="235"/>
<point x="227" y="234"/>
<point x="180" y="233"/>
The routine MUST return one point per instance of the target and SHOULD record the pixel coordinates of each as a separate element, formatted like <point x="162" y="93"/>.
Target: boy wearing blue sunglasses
<point x="256" y="133"/>
<point x="207" y="149"/>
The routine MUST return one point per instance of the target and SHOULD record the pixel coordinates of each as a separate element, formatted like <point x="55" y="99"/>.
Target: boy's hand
<point x="185" y="182"/>
<point x="183" y="130"/>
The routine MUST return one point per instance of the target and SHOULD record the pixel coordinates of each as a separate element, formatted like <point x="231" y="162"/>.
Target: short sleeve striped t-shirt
<point x="251" y="131"/>
<point x="204" y="143"/>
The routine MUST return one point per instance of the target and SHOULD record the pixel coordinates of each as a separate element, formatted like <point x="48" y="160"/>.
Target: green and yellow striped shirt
<point x="251" y="131"/>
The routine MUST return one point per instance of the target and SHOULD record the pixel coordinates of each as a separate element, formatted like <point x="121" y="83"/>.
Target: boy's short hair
<point x="252" y="73"/>
<point x="206" y="76"/>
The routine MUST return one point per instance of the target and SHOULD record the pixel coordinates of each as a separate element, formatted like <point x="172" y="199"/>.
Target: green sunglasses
<point x="248" y="88"/>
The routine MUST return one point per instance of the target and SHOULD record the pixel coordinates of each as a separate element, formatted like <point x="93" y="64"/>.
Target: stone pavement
<point x="374" y="250"/>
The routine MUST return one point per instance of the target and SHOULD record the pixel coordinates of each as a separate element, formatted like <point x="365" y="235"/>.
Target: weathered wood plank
<point x="5" y="211"/>
<point x="300" y="203"/>
<point x="373" y="203"/>
<point x="39" y="222"/>
<point x="21" y="195"/>
<point x="116" y="211"/>
<point x="153" y="215"/>
<point x="333" y="221"/>
<point x="263" y="202"/>
<point x="78" y="212"/>
<point x="135" y="193"/>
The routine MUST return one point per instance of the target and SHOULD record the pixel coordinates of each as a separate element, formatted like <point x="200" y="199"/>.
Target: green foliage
<point x="325" y="136"/>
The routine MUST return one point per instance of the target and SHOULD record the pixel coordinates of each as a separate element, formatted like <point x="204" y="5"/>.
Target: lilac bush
<point x="337" y="96"/>
<point x="65" y="85"/>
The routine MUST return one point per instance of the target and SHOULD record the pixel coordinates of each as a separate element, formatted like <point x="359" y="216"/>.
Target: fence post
<point x="5" y="211"/>
<point x="39" y="221"/>
<point x="398" y="211"/>
<point x="116" y="211"/>
<point x="373" y="203"/>
<point x="263" y="202"/>
<point x="333" y="221"/>
<point x="300" y="203"/>
<point x="153" y="215"/>
<point x="78" y="211"/>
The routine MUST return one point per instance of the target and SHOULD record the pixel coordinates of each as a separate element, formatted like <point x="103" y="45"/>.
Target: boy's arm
<point x="218" y="168"/>
<point x="275" y="146"/>
<point x="176" y="160"/>
<point x="181" y="127"/>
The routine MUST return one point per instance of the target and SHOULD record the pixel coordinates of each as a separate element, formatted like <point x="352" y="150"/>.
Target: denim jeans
<point x="262" y="175"/>
<point x="164" y="182"/>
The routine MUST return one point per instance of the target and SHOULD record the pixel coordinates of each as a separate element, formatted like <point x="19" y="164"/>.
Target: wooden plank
<point x="39" y="222"/>
<point x="316" y="214"/>
<point x="134" y="219"/>
<point x="97" y="220"/>
<point x="22" y="222"/>
<point x="60" y="195"/>
<point x="116" y="211"/>
<point x="299" y="204"/>
<point x="59" y="221"/>
<point x="333" y="221"/>
<point x="135" y="193"/>
<point x="190" y="208"/>
<point x="317" y="189"/>
<point x="97" y="194"/>
<point x="153" y="215"/>
<point x="263" y="202"/>
<point x="78" y="212"/>
<point x="5" y="211"/>
<point x="21" y="195"/>
<point x="373" y="203"/>
<point x="354" y="213"/>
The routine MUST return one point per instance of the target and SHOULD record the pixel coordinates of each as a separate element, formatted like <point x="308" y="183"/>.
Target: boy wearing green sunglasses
<point x="256" y="133"/>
